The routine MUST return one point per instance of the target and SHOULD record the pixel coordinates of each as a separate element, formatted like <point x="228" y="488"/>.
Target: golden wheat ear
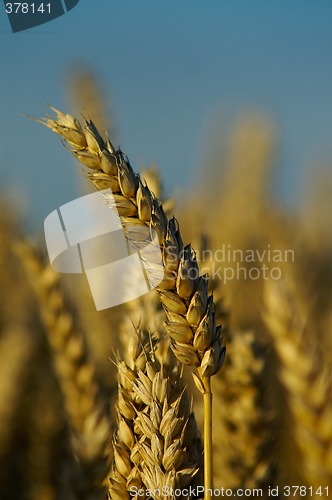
<point x="18" y="335"/>
<point x="156" y="442"/>
<point x="89" y="423"/>
<point x="108" y="167"/>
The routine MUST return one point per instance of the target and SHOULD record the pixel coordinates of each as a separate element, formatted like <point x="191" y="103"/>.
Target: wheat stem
<point x="208" y="453"/>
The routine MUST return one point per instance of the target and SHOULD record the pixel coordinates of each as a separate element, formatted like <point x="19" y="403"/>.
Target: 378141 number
<point x="305" y="491"/>
<point x="28" y="8"/>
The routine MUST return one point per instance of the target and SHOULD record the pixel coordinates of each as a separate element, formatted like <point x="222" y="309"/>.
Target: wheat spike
<point x="88" y="421"/>
<point x="190" y="311"/>
<point x="156" y="443"/>
<point x="17" y="338"/>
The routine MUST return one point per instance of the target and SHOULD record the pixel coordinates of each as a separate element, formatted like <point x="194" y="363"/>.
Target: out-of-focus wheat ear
<point x="306" y="384"/>
<point x="244" y="450"/>
<point x="16" y="349"/>
<point x="234" y="189"/>
<point x="87" y="93"/>
<point x="47" y="433"/>
<point x="89" y="422"/>
<point x="151" y="177"/>
<point x="15" y="303"/>
<point x="124" y="475"/>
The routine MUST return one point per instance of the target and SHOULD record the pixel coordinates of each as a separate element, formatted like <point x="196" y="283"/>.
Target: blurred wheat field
<point x="96" y="404"/>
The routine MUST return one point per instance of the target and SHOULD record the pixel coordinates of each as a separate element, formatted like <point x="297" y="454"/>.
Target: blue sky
<point x="171" y="69"/>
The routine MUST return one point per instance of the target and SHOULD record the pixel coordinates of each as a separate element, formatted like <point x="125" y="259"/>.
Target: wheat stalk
<point x="88" y="421"/>
<point x="196" y="339"/>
